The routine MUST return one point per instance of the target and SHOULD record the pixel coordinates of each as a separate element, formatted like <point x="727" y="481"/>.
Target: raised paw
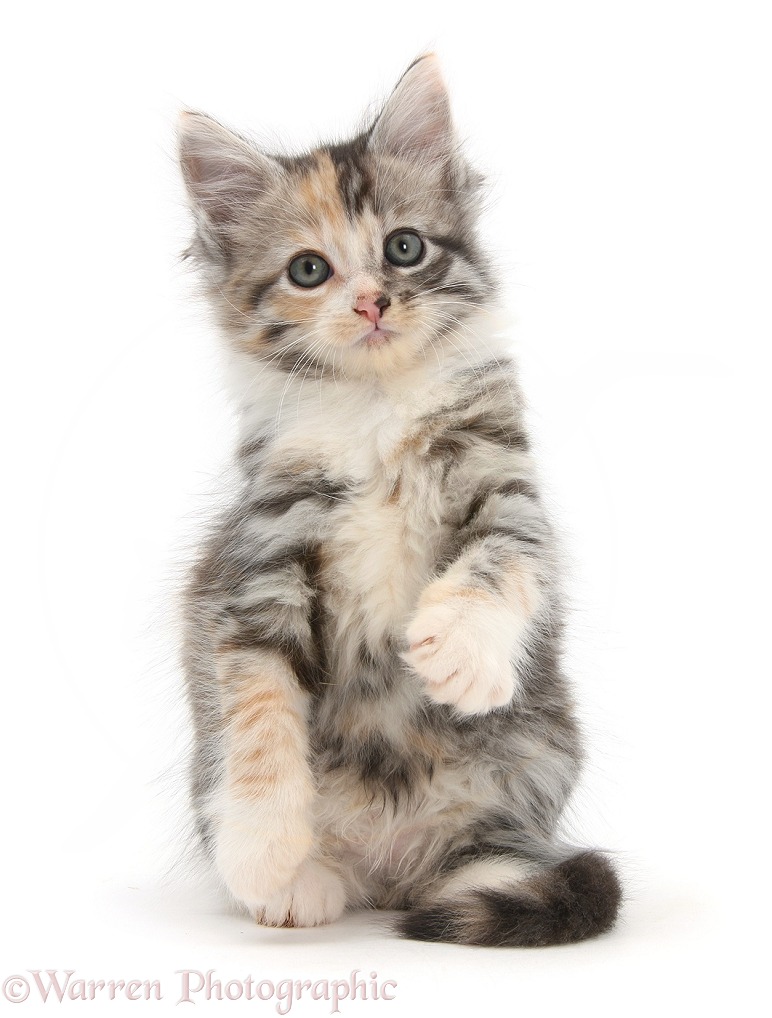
<point x="462" y="646"/>
<point x="314" y="896"/>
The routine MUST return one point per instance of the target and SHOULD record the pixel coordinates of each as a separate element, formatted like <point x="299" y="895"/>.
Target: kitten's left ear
<point x="416" y="123"/>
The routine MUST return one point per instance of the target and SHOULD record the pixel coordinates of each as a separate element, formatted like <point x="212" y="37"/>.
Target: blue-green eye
<point x="404" y="248"/>
<point x="309" y="270"/>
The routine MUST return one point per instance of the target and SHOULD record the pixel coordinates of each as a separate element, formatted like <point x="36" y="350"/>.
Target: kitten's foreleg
<point x="470" y="624"/>
<point x="264" y="833"/>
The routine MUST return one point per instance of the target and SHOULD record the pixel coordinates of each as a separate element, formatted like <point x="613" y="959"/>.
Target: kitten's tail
<point x="505" y="903"/>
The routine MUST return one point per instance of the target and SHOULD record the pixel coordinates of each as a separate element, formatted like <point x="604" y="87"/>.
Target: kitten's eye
<point x="309" y="270"/>
<point x="404" y="248"/>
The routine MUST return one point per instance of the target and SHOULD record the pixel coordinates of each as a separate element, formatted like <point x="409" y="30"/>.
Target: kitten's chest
<point x="386" y="536"/>
<point x="383" y="540"/>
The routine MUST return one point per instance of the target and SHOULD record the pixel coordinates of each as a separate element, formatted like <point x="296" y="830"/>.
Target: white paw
<point x="462" y="646"/>
<point x="258" y="859"/>
<point x="314" y="897"/>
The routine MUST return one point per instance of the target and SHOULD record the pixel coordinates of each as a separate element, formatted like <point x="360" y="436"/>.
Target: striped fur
<point x="374" y="626"/>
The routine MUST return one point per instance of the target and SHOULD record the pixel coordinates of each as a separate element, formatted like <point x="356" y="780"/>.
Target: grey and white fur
<point x="374" y="626"/>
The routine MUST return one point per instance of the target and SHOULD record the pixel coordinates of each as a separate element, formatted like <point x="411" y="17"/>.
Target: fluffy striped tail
<point x="508" y="906"/>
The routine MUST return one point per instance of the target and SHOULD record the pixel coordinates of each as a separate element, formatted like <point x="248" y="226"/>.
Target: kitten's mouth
<point x="375" y="338"/>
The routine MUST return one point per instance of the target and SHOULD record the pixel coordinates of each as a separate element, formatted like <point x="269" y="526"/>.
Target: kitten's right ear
<point x="223" y="173"/>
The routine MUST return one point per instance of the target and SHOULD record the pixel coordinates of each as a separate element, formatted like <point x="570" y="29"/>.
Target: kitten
<point x="374" y="627"/>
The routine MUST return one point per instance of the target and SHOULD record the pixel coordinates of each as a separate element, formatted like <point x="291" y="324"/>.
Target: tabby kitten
<point x="374" y="626"/>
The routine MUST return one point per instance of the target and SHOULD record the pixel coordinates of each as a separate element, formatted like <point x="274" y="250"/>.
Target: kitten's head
<point x="358" y="257"/>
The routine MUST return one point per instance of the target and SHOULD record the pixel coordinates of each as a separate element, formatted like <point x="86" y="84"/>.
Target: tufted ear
<point x="416" y="123"/>
<point x="223" y="174"/>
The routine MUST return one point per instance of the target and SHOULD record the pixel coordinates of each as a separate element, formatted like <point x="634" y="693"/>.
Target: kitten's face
<point x="356" y="259"/>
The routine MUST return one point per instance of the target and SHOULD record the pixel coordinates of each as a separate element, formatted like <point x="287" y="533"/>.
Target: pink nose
<point x="372" y="309"/>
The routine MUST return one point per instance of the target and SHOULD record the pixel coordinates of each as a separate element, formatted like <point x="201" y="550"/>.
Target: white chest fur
<point x="381" y="543"/>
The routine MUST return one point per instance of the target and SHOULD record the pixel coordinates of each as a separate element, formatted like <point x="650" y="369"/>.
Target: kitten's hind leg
<point x="504" y="901"/>
<point x="263" y="806"/>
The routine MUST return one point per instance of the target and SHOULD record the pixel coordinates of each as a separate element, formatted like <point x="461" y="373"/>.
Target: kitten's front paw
<point x="314" y="897"/>
<point x="462" y="646"/>
<point x="257" y="857"/>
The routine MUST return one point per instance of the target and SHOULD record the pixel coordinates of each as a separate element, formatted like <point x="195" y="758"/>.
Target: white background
<point x="628" y="150"/>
